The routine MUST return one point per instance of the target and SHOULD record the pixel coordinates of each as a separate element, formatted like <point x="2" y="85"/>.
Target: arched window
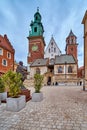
<point x="68" y="41"/>
<point x="36" y="17"/>
<point x="35" y="29"/>
<point x="37" y="71"/>
<point x="49" y="50"/>
<point x="60" y="69"/>
<point x="69" y="69"/>
<point x="52" y="43"/>
<point x="54" y="49"/>
<point x="72" y="40"/>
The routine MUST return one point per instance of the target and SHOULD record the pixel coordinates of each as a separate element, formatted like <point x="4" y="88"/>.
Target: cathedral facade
<point x="56" y="67"/>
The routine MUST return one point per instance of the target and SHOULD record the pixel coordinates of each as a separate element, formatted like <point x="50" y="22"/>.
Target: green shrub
<point x="38" y="79"/>
<point x="2" y="86"/>
<point x="12" y="81"/>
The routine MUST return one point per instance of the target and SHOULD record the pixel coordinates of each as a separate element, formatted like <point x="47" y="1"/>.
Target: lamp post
<point x="83" y="84"/>
<point x="83" y="74"/>
<point x="65" y="69"/>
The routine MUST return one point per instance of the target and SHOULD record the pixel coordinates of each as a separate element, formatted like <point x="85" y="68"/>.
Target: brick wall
<point x="10" y="62"/>
<point x="72" y="49"/>
<point x="7" y="55"/>
<point x="39" y="53"/>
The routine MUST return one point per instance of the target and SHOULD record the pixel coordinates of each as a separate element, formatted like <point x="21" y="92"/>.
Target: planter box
<point x="26" y="92"/>
<point x="15" y="104"/>
<point x="37" y="97"/>
<point x="3" y="96"/>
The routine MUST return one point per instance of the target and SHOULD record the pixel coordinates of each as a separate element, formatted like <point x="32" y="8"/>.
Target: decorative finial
<point x="71" y="30"/>
<point x="37" y="9"/>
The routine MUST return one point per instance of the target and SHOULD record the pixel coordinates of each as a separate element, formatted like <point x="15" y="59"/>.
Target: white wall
<point x="52" y="53"/>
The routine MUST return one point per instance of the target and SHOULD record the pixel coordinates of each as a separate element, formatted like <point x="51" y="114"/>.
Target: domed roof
<point x="37" y="14"/>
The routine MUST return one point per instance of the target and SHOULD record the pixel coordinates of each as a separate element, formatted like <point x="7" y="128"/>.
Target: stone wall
<point x="43" y="69"/>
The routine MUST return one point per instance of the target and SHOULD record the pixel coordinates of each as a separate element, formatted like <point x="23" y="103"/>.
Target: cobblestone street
<point x="63" y="108"/>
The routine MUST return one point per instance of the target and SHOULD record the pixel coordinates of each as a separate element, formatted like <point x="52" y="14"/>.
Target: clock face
<point x="34" y="48"/>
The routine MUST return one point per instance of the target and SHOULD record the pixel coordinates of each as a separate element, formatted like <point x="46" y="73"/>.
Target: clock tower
<point x="36" y="40"/>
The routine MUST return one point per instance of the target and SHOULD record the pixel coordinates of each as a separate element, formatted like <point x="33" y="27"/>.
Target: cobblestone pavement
<point x="63" y="108"/>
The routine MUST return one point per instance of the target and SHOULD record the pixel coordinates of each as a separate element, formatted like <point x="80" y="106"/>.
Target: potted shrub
<point x="3" y="94"/>
<point x="15" y="102"/>
<point x="37" y="95"/>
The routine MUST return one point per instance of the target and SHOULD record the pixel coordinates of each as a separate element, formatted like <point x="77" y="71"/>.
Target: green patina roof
<point x="36" y="25"/>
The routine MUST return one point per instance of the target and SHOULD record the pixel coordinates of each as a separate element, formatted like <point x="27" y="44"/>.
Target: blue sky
<point x="58" y="18"/>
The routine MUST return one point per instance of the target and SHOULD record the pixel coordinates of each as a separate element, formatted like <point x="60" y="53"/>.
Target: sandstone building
<point x="84" y="21"/>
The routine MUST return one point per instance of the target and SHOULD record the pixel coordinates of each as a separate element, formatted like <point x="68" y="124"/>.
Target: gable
<point x="52" y="49"/>
<point x="54" y="44"/>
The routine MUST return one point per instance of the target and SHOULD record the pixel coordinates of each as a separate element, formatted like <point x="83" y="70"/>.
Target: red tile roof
<point x="5" y="43"/>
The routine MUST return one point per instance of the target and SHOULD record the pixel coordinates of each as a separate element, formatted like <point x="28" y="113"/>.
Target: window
<point x="68" y="41"/>
<point x="1" y="51"/>
<point x="49" y="50"/>
<point x="52" y="43"/>
<point x="60" y="69"/>
<point x="36" y="17"/>
<point x="54" y="49"/>
<point x="72" y="40"/>
<point x="9" y="55"/>
<point x="35" y="29"/>
<point x="37" y="71"/>
<point x="4" y="62"/>
<point x="69" y="69"/>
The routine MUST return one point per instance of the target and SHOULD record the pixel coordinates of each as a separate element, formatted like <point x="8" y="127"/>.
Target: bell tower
<point x="36" y="42"/>
<point x="71" y="45"/>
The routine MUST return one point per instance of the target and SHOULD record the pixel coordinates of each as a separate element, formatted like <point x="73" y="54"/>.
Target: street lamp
<point x="84" y="80"/>
<point x="65" y="69"/>
<point x="83" y="84"/>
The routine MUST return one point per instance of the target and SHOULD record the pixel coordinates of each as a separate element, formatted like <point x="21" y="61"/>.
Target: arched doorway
<point x="49" y="81"/>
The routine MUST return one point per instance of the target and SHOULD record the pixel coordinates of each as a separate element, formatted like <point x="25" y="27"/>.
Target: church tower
<point x="36" y="40"/>
<point x="71" y="45"/>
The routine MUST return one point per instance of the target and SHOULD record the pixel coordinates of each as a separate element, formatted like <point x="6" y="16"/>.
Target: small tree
<point x="12" y="80"/>
<point x="2" y="86"/>
<point x="38" y="79"/>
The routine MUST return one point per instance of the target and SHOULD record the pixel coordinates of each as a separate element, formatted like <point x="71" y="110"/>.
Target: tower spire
<point x="37" y="28"/>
